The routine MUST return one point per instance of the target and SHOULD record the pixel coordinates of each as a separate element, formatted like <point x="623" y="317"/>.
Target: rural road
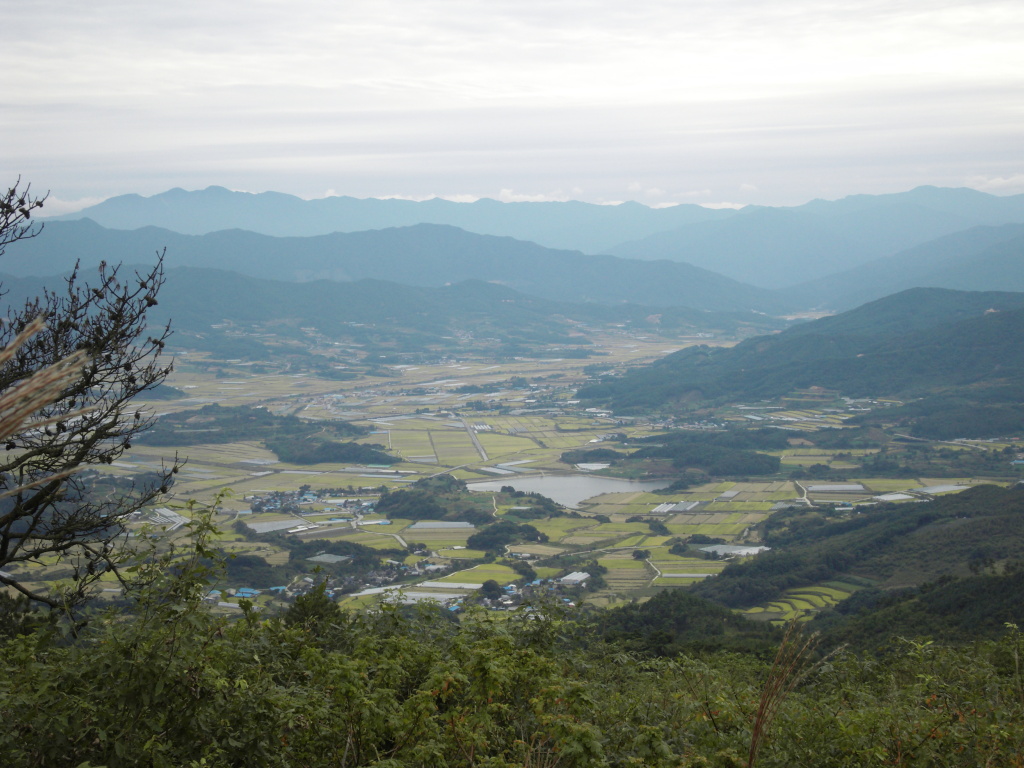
<point x="475" y="439"/>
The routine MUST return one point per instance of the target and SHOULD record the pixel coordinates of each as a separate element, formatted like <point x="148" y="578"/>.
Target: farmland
<point x="482" y="419"/>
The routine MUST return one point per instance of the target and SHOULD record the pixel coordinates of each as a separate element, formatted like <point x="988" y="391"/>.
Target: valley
<point x="498" y="424"/>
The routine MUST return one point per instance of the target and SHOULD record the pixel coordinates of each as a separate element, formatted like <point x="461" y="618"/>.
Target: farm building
<point x="574" y="579"/>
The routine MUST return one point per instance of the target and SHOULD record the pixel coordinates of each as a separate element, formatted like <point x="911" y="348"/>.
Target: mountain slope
<point x="424" y="255"/>
<point x="199" y="301"/>
<point x="780" y="247"/>
<point x="894" y="546"/>
<point x="977" y="259"/>
<point x="918" y="341"/>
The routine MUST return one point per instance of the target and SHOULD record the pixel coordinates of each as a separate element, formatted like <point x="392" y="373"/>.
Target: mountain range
<point x="426" y="255"/>
<point x="569" y="225"/>
<point x="766" y="247"/>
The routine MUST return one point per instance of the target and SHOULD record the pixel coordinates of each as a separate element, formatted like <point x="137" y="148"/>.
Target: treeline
<point x="530" y="505"/>
<point x="318" y="451"/>
<point x="897" y="544"/>
<point x="229" y="424"/>
<point x="721" y="453"/>
<point x="253" y="571"/>
<point x="496" y="537"/>
<point x="436" y="498"/>
<point x="952" y="610"/>
<point x="979" y="412"/>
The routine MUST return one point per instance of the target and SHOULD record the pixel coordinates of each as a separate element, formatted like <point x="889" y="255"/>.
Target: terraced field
<point x="802" y="603"/>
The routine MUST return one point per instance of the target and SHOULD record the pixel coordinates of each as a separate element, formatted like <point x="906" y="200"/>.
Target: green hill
<point x="895" y="547"/>
<point x="917" y="342"/>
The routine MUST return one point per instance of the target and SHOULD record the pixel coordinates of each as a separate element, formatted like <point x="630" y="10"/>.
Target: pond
<point x="570" y="490"/>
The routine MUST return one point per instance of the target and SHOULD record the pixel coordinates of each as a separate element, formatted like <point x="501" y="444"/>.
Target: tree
<point x="491" y="589"/>
<point x="641" y="554"/>
<point x="49" y="510"/>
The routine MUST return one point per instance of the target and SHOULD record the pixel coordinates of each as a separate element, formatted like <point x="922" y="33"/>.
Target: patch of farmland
<point x="481" y="573"/>
<point x="559" y="526"/>
<point x="622" y="561"/>
<point x="802" y="602"/>
<point x="454" y="448"/>
<point x="613" y="528"/>
<point x="628" y="579"/>
<point x="697" y="496"/>
<point x="457" y="554"/>
<point x="582" y="539"/>
<point x="631" y="541"/>
<point x="691" y="518"/>
<point x="719" y="517"/>
<point x="503" y="445"/>
<point x="721" y="529"/>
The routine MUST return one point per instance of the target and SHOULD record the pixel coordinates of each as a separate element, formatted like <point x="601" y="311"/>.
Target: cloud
<point x="999" y="184"/>
<point x="55" y="206"/>
<point x="509" y="196"/>
<point x="453" y="98"/>
<point x="718" y="206"/>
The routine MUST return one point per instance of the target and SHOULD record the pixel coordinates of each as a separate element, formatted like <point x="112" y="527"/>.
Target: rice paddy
<point x="802" y="603"/>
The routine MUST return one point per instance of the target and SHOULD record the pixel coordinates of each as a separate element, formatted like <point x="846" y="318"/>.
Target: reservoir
<point x="570" y="490"/>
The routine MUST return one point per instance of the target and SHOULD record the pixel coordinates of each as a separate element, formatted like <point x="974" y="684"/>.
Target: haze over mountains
<point x="570" y="225"/>
<point x="783" y="247"/>
<point x="825" y="254"/>
<point x="420" y="255"/>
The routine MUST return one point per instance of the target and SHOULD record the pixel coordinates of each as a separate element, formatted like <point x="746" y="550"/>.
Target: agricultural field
<point x="802" y="603"/>
<point x="498" y="421"/>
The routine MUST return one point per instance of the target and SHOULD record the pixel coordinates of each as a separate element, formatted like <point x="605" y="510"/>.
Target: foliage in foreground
<point x="169" y="684"/>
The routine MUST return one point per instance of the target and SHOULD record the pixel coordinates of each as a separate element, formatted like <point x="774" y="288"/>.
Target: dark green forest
<point x="919" y="342"/>
<point x="163" y="682"/>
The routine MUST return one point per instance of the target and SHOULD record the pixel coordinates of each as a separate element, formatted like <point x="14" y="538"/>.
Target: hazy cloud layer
<point x="661" y="102"/>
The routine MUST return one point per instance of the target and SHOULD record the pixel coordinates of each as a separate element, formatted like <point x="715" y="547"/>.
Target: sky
<point x="722" y="103"/>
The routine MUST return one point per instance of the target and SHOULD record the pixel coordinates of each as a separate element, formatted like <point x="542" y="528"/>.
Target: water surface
<point x="570" y="490"/>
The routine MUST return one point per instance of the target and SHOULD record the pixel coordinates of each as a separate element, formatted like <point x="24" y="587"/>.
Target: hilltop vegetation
<point x="168" y="683"/>
<point x="293" y="440"/>
<point x="890" y="547"/>
<point x="918" y="342"/>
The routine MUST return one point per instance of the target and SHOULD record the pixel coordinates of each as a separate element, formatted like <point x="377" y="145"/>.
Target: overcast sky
<point x="725" y="102"/>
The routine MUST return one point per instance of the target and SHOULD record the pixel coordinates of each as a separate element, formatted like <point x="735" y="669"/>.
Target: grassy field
<point x="481" y="573"/>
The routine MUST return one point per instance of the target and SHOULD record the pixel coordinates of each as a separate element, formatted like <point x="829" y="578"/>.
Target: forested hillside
<point x="918" y="342"/>
<point x="168" y="684"/>
<point x="427" y="255"/>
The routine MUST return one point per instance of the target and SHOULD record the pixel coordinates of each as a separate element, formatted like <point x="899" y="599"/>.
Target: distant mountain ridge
<point x="978" y="259"/>
<point x="767" y="247"/>
<point x="571" y="225"/>
<point x="783" y="247"/>
<point x="420" y="255"/>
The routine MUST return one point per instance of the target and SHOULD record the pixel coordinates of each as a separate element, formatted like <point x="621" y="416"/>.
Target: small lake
<point x="570" y="490"/>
